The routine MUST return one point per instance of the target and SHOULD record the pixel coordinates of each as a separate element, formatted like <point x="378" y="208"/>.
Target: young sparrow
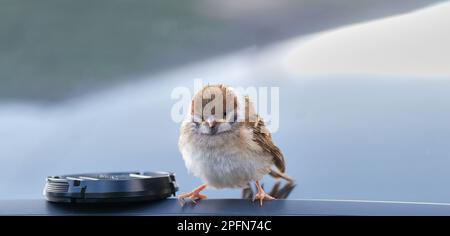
<point x="225" y="143"/>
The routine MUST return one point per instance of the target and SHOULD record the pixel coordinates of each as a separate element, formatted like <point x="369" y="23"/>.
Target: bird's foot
<point x="261" y="195"/>
<point x="193" y="195"/>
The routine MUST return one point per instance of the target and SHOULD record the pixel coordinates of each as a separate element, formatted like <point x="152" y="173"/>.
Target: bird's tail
<point x="277" y="174"/>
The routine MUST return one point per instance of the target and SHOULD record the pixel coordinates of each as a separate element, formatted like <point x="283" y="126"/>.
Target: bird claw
<point x="261" y="196"/>
<point x="181" y="201"/>
<point x="193" y="196"/>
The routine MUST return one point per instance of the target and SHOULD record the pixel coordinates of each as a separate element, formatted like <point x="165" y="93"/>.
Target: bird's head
<point x="217" y="109"/>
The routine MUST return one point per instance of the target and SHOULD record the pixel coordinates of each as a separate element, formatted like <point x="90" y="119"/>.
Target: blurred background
<point x="365" y="89"/>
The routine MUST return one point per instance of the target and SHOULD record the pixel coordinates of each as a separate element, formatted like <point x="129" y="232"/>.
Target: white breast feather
<point x="226" y="161"/>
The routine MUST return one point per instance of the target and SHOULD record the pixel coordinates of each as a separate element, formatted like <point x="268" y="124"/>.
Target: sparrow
<point x="225" y="142"/>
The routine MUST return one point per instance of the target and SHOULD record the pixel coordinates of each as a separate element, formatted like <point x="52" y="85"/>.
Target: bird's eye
<point x="196" y="124"/>
<point x="196" y="120"/>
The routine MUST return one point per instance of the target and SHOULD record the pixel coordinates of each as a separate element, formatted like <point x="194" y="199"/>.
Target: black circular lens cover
<point x="110" y="187"/>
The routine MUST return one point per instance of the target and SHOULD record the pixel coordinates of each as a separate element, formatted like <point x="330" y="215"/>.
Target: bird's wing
<point x="262" y="136"/>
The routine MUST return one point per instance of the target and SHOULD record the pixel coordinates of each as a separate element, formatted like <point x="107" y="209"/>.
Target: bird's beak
<point x="211" y="122"/>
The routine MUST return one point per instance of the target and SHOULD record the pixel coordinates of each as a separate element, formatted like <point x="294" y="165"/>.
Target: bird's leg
<point x="193" y="195"/>
<point x="261" y="195"/>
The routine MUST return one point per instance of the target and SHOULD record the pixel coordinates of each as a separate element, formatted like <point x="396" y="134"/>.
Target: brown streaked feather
<point x="276" y="174"/>
<point x="263" y="137"/>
